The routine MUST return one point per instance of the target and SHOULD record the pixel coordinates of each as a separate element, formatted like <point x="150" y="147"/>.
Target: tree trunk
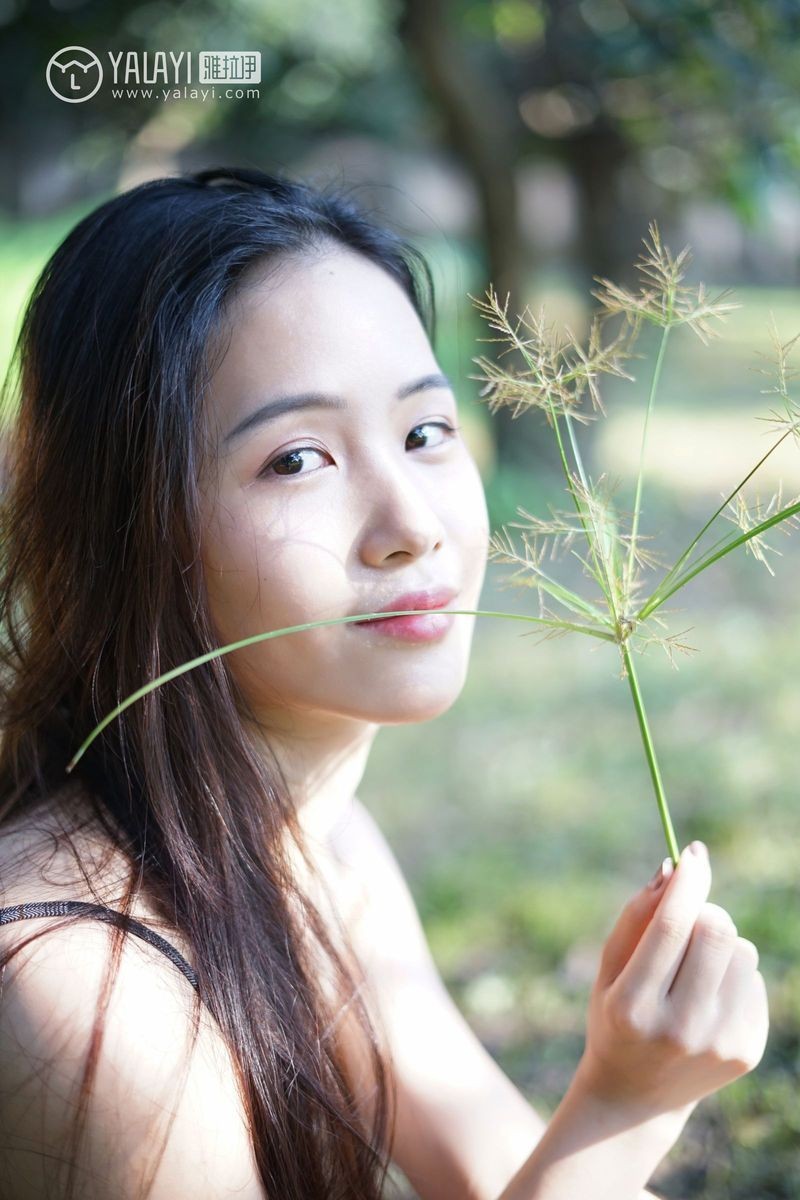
<point x="480" y="125"/>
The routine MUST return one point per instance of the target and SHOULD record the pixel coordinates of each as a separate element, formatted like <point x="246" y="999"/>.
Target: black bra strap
<point x="59" y="908"/>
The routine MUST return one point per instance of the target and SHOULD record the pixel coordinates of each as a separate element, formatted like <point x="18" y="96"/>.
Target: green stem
<point x="602" y="565"/>
<point x="638" y="501"/>
<point x="709" y="559"/>
<point x="563" y="594"/>
<point x="571" y="485"/>
<point x="565" y="465"/>
<point x="650" y="753"/>
<point x="262" y="637"/>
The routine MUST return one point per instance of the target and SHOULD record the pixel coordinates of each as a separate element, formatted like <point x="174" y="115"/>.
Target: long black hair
<point x="101" y="589"/>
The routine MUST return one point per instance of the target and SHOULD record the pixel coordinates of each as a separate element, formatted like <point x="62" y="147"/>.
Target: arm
<point x="594" y="1151"/>
<point x="595" y="1144"/>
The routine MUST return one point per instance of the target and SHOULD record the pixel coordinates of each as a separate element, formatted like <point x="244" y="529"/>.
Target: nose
<point x="402" y="518"/>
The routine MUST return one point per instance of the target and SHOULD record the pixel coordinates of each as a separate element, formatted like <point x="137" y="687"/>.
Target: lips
<point x="428" y="598"/>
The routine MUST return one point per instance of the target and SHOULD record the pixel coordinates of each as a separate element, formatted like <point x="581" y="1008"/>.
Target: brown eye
<point x="289" y="463"/>
<point x="449" y="429"/>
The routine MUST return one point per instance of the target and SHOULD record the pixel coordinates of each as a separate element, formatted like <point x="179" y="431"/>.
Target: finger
<point x="655" y="961"/>
<point x="736" y="985"/>
<point x="743" y="997"/>
<point x="705" y="963"/>
<point x="631" y="924"/>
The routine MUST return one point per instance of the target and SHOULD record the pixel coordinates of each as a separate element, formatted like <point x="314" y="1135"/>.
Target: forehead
<point x="327" y="321"/>
<point x="313" y="312"/>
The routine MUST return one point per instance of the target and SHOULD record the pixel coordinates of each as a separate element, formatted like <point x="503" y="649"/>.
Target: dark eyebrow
<point x="283" y="404"/>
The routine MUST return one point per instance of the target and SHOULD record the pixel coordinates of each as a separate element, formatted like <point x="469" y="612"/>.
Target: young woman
<point x="231" y="419"/>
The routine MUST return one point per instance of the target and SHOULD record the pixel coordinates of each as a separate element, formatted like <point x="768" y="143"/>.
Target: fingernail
<point x="662" y="874"/>
<point x="696" y="850"/>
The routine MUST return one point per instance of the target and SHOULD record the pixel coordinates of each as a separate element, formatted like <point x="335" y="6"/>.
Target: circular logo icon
<point x="74" y="74"/>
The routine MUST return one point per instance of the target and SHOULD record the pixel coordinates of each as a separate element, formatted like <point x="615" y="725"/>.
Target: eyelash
<point x="265" y="471"/>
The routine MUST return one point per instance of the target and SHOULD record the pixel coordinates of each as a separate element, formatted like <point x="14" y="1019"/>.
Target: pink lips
<point x="421" y="627"/>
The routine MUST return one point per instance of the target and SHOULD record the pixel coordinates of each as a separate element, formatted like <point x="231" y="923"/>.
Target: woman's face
<point x="323" y="512"/>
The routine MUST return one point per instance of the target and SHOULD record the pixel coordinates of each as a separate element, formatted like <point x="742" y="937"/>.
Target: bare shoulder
<point x="153" y="1081"/>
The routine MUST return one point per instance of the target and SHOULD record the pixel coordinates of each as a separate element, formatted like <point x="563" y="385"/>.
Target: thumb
<point x="631" y="924"/>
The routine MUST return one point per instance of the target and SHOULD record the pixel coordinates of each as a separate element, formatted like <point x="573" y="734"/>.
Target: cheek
<point x="229" y="552"/>
<point x="256" y="585"/>
<point x="260" y="580"/>
<point x="468" y="518"/>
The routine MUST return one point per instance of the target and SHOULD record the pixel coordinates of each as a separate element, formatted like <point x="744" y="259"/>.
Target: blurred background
<point x="528" y="144"/>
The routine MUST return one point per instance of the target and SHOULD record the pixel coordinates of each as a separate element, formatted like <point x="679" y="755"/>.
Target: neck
<point x="323" y="759"/>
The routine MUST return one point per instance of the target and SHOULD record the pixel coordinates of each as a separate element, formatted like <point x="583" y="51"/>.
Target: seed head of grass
<point x="749" y="517"/>
<point x="557" y="370"/>
<point x="663" y="299"/>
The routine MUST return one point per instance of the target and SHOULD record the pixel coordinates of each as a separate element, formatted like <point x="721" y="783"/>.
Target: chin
<point x="415" y="701"/>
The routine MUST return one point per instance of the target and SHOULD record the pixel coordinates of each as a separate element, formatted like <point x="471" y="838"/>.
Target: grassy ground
<point x="524" y="816"/>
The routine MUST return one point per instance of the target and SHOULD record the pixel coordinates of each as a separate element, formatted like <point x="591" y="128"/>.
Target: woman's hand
<point x="678" y="1009"/>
